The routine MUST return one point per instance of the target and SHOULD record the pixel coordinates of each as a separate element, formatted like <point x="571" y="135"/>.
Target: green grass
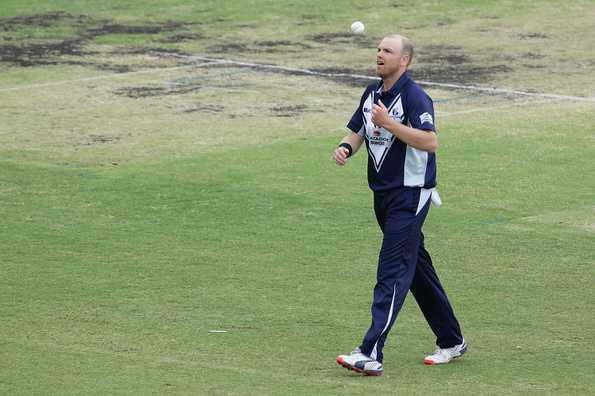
<point x="133" y="226"/>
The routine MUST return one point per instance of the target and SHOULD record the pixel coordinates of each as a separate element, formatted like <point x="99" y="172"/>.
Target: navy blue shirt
<point x="391" y="162"/>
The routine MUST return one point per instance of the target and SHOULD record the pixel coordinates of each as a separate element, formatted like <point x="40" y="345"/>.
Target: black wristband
<point x="348" y="147"/>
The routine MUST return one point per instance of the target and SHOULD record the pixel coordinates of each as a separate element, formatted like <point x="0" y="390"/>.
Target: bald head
<point x="393" y="58"/>
<point x="405" y="45"/>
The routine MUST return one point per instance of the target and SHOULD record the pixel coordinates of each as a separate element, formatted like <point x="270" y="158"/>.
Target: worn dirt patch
<point x="101" y="139"/>
<point x="445" y="54"/>
<point x="181" y="37"/>
<point x="450" y="64"/>
<point x="46" y="53"/>
<point x="113" y="28"/>
<point x="29" y="51"/>
<point x="533" y="35"/>
<point x="158" y="52"/>
<point x="342" y="38"/>
<point x="278" y="46"/>
<point x="204" y="109"/>
<point x="147" y="92"/>
<point x="530" y="66"/>
<point x="116" y="68"/>
<point x="291" y="110"/>
<point x="308" y="20"/>
<point x="532" y="55"/>
<point x="40" y="20"/>
<point x="227" y="48"/>
<point x="282" y="46"/>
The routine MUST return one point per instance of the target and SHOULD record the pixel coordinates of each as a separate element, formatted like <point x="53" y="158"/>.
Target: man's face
<point x="388" y="58"/>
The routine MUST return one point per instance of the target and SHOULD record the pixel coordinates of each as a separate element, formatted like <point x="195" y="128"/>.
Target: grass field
<point x="150" y="193"/>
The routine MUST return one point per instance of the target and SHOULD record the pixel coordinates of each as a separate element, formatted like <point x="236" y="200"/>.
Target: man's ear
<point x="406" y="58"/>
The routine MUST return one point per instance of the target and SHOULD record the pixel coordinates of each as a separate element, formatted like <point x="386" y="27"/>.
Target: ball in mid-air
<point x="357" y="27"/>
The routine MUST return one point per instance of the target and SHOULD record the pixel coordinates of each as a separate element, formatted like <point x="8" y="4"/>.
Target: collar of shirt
<point x="397" y="87"/>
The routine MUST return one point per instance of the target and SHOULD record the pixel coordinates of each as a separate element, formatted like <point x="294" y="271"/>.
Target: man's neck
<point x="388" y="82"/>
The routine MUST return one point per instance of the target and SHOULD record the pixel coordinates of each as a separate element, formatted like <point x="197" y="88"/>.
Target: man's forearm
<point x="354" y="140"/>
<point x="421" y="140"/>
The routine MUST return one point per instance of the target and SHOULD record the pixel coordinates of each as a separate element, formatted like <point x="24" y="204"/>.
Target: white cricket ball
<point x="357" y="27"/>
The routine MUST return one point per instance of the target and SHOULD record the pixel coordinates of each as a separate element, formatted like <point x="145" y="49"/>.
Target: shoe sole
<point x="357" y="370"/>
<point x="429" y="362"/>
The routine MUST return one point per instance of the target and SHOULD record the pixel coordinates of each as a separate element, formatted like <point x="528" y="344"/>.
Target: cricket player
<point x="395" y="119"/>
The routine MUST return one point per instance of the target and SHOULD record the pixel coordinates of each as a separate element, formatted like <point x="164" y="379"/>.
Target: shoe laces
<point x="443" y="352"/>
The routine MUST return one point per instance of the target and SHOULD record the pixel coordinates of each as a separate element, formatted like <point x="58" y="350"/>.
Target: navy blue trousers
<point x="404" y="264"/>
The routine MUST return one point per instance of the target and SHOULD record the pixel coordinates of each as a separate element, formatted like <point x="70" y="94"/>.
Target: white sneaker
<point x="442" y="356"/>
<point x="360" y="363"/>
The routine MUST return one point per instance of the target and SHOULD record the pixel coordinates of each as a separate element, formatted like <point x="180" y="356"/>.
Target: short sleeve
<point x="356" y="124"/>
<point x="421" y="111"/>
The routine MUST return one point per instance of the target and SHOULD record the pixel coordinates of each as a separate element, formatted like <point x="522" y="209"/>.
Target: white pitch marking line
<point x="363" y="77"/>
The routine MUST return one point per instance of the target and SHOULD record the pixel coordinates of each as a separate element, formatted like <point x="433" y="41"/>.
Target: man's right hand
<point x="340" y="156"/>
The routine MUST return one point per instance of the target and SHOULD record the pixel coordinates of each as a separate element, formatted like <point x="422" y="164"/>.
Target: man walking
<point x="395" y="118"/>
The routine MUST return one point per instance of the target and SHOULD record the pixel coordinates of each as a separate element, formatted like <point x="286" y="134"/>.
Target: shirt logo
<point x="426" y="117"/>
<point x="396" y="114"/>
